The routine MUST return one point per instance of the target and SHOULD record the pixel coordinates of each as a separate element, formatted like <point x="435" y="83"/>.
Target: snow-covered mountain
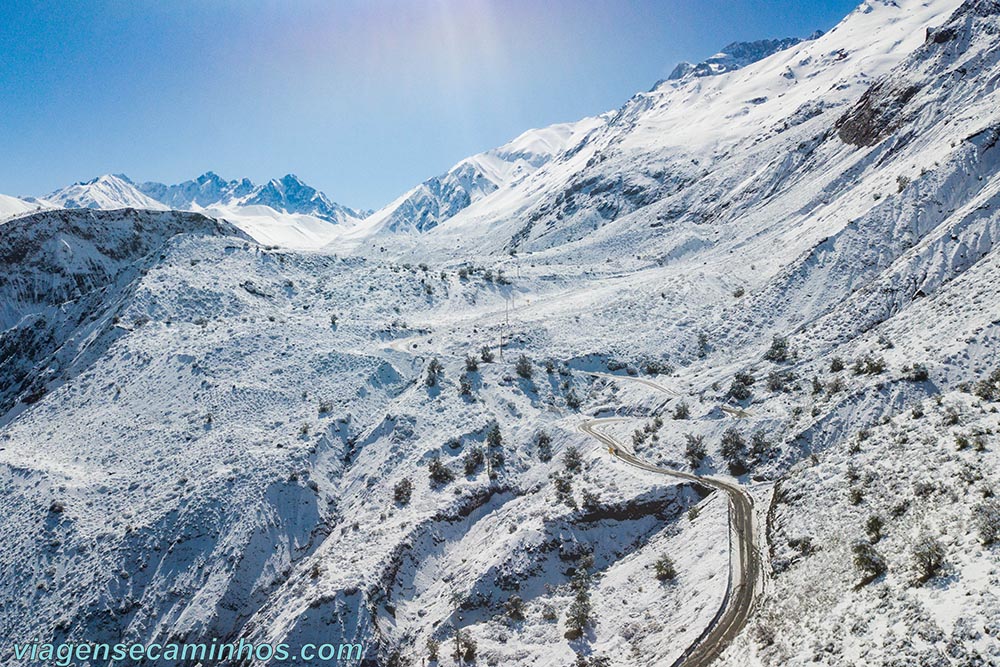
<point x="11" y="207"/>
<point x="783" y="277"/>
<point x="285" y="212"/>
<point x="475" y="178"/>
<point x="288" y="194"/>
<point x="111" y="191"/>
<point x="735" y="56"/>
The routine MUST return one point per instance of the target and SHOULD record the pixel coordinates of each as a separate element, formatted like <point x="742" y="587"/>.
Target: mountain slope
<point x="475" y="178"/>
<point x="675" y="152"/>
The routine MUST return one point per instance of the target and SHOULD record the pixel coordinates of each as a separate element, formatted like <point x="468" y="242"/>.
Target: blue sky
<point x="361" y="98"/>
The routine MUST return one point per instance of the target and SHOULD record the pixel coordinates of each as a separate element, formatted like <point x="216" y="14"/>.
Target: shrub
<point x="873" y="526"/>
<point x="523" y="367"/>
<point x="474" y="459"/>
<point x="578" y="614"/>
<point x="656" y="367"/>
<point x="486" y="354"/>
<point x="439" y="472"/>
<point x="564" y="490"/>
<point x="836" y="365"/>
<point x="989" y="389"/>
<point x="434" y="369"/>
<point x="733" y="449"/>
<point x="471" y="363"/>
<point x="464" y="386"/>
<point x="740" y="387"/>
<point x="760" y="447"/>
<point x="465" y="647"/>
<point x="778" y="352"/>
<point x="868" y="561"/>
<point x="917" y="373"/>
<point x="543" y="445"/>
<point x="739" y="292"/>
<point x="702" y="344"/>
<point x="694" y="450"/>
<point x="572" y="400"/>
<point x="665" y="570"/>
<point x="682" y="411"/>
<point x="402" y="492"/>
<point x="817" y="386"/>
<point x="572" y="459"/>
<point x="779" y="381"/>
<point x="928" y="558"/>
<point x="433" y="649"/>
<point x="515" y="608"/>
<point x="493" y="437"/>
<point x="693" y="513"/>
<point x="591" y="501"/>
<point x="986" y="516"/>
<point x="856" y="496"/>
<point x="869" y="365"/>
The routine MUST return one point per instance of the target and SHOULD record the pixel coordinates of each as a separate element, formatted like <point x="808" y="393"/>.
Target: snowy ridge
<point x="104" y="192"/>
<point x="288" y="194"/>
<point x="475" y="178"/>
<point x="735" y="56"/>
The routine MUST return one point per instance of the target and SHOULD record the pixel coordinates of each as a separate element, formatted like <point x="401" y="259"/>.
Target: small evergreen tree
<point x="402" y="491"/>
<point x="733" y="449"/>
<point x="694" y="450"/>
<point x="474" y="459"/>
<point x="486" y="354"/>
<point x="682" y="411"/>
<point x="665" y="570"/>
<point x="572" y="459"/>
<point x="439" y="472"/>
<point x="543" y="445"/>
<point x="778" y="352"/>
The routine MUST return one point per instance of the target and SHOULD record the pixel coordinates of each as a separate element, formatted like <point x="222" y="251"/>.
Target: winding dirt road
<point x="744" y="560"/>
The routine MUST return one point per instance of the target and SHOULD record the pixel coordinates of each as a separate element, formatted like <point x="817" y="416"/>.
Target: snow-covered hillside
<point x="784" y="276"/>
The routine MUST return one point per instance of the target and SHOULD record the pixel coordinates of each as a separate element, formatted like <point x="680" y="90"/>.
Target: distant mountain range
<point x="288" y="194"/>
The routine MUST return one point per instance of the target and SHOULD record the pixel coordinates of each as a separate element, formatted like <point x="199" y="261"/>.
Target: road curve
<point x="744" y="559"/>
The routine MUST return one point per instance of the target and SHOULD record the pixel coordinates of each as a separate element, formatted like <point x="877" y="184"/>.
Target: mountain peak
<point x="736" y="55"/>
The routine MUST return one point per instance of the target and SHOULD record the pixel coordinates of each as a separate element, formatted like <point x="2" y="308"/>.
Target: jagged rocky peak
<point x="735" y="56"/>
